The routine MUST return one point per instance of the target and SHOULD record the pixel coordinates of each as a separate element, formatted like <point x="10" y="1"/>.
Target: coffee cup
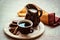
<point x="25" y="26"/>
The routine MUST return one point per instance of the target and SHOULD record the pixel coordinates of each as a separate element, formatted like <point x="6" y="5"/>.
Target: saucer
<point x="38" y="31"/>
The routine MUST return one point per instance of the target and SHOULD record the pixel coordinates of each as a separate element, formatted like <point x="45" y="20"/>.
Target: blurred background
<point x="9" y="9"/>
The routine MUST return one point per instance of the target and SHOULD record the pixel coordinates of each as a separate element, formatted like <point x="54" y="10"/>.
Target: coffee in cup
<point x="25" y="26"/>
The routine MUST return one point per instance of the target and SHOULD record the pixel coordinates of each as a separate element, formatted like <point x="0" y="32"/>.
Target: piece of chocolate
<point x="15" y="21"/>
<point x="51" y="18"/>
<point x="15" y="31"/>
<point x="13" y="25"/>
<point x="56" y="19"/>
<point x="11" y="30"/>
<point x="57" y="22"/>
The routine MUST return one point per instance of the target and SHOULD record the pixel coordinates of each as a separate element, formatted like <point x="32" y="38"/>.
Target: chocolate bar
<point x="51" y="18"/>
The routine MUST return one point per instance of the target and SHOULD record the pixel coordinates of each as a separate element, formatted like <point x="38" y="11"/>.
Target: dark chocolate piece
<point x="57" y="22"/>
<point x="51" y="18"/>
<point x="13" y="25"/>
<point x="15" y="21"/>
<point x="56" y="19"/>
<point x="11" y="30"/>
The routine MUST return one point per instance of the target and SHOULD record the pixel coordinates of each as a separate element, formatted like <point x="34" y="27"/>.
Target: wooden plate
<point x="38" y="31"/>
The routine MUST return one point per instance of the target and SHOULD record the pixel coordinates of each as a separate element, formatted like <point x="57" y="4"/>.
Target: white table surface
<point x="9" y="9"/>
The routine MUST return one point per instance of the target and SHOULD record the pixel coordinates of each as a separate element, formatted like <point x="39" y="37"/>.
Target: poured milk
<point x="33" y="10"/>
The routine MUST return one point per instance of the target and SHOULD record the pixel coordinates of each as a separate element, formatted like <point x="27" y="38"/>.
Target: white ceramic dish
<point x="36" y="33"/>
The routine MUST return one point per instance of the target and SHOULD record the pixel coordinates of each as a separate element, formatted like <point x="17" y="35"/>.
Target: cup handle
<point x="31" y="30"/>
<point x="40" y="12"/>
